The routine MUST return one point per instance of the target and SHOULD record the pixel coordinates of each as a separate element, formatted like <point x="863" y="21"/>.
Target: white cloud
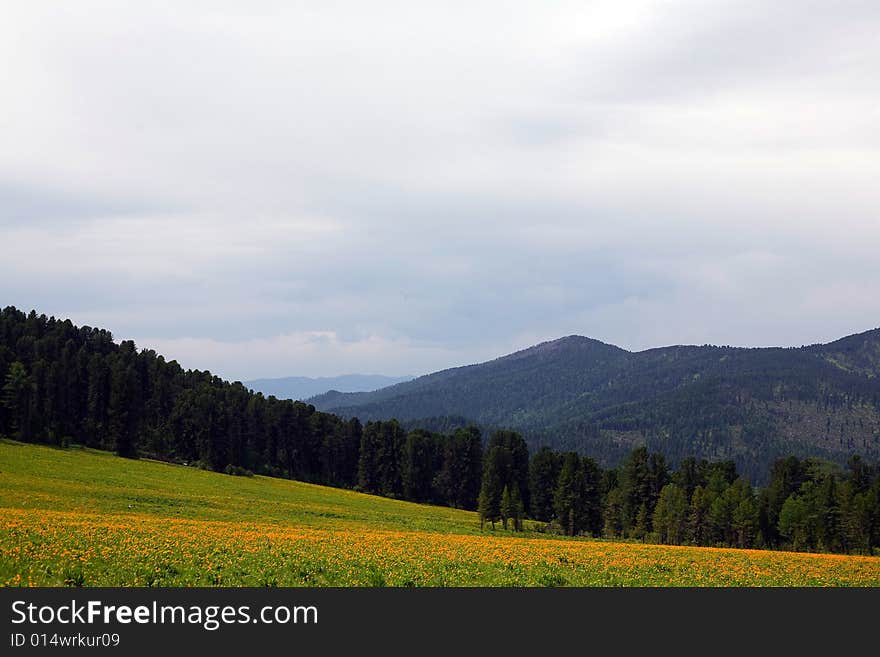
<point x="309" y="354"/>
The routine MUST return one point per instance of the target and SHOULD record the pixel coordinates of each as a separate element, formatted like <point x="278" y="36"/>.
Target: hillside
<point x="81" y="517"/>
<point x="65" y="384"/>
<point x="748" y="404"/>
<point x="303" y="387"/>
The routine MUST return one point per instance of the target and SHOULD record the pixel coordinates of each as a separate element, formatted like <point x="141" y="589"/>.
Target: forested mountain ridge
<point x="859" y="354"/>
<point x="65" y="383"/>
<point x="511" y="382"/>
<point x="748" y="404"/>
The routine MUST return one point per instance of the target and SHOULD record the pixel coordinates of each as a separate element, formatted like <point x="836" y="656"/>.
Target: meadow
<point x="80" y="517"/>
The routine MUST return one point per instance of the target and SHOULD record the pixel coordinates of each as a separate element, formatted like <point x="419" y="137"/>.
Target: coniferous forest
<point x="63" y="385"/>
<point x="749" y="405"/>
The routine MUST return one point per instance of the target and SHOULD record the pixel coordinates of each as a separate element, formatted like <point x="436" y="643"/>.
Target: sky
<point x="268" y="189"/>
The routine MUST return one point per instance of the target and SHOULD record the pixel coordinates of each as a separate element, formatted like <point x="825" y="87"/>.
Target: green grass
<point x="91" y="481"/>
<point x="79" y="517"/>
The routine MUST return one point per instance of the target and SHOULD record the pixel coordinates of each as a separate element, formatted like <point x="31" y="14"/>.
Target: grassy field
<point x="79" y="517"/>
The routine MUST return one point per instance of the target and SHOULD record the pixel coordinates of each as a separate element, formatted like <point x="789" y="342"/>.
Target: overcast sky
<point x="318" y="188"/>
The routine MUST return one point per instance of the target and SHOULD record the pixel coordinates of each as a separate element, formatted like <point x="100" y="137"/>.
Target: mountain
<point x="746" y="404"/>
<point x="302" y="387"/>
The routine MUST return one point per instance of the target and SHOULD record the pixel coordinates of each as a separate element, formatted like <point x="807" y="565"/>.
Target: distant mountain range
<point x="303" y="387"/>
<point x="747" y="404"/>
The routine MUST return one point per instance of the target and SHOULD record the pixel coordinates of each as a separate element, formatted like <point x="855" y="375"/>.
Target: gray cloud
<point x="30" y="203"/>
<point x="320" y="188"/>
<point x="698" y="50"/>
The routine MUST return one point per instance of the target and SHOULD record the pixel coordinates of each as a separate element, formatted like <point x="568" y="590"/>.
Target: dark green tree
<point x="698" y="516"/>
<point x="570" y="500"/>
<point x="458" y="481"/>
<point x="17" y="393"/>
<point x="671" y="515"/>
<point x="613" y="514"/>
<point x="517" y="510"/>
<point x="544" y="471"/>
<point x="516" y="471"/>
<point x="495" y="465"/>
<point x="368" y="459"/>
<point x="794" y="522"/>
<point x="421" y="458"/>
<point x="506" y="509"/>
<point x="125" y="405"/>
<point x="635" y="489"/>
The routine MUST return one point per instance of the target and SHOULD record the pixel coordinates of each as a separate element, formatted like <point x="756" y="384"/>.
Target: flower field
<point x="83" y="518"/>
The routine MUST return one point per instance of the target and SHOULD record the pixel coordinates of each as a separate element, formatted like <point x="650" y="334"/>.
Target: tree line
<point x="808" y="504"/>
<point x="64" y="384"/>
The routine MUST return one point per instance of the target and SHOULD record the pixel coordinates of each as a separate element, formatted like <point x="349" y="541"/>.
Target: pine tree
<point x="744" y="516"/>
<point x="515" y="467"/>
<point x="459" y="478"/>
<point x="368" y="473"/>
<point x="570" y="498"/>
<point x="642" y="524"/>
<point x="794" y="522"/>
<point x="518" y="510"/>
<point x="506" y="508"/>
<point x="16" y="399"/>
<point x="698" y="516"/>
<point x="489" y="502"/>
<point x="828" y="508"/>
<point x="635" y="487"/>
<point x="544" y="470"/>
<point x="613" y="514"/>
<point x="420" y="461"/>
<point x="670" y="515"/>
<point x="389" y="458"/>
<point x="592" y="492"/>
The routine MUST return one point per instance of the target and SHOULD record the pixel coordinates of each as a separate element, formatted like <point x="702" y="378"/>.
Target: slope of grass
<point x="94" y="482"/>
<point x="80" y="517"/>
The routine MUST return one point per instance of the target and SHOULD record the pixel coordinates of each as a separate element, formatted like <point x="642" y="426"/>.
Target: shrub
<point x="238" y="471"/>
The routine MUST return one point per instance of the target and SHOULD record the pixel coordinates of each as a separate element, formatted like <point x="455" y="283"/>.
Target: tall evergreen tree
<point x="421" y="458"/>
<point x="17" y="394"/>
<point x="368" y="460"/>
<point x="495" y="465"/>
<point x="458" y="481"/>
<point x="516" y="471"/>
<point x="635" y="488"/>
<point x="698" y="516"/>
<point x="544" y="471"/>
<point x="671" y="515"/>
<point x="506" y="509"/>
<point x="570" y="499"/>
<point x="390" y="457"/>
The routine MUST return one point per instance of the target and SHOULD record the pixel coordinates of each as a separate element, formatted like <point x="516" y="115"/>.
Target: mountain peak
<point x="565" y="346"/>
<point x="576" y="392"/>
<point x="575" y="340"/>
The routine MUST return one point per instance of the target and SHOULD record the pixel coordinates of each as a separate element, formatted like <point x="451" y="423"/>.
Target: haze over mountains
<point x="747" y="404"/>
<point x="303" y="387"/>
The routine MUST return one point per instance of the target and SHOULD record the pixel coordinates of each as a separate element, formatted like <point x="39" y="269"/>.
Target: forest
<point x="63" y="385"/>
<point x="750" y="405"/>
